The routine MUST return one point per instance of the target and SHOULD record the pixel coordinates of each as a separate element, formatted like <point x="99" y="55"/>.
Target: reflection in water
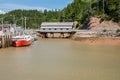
<point x="60" y="60"/>
<point x="22" y="49"/>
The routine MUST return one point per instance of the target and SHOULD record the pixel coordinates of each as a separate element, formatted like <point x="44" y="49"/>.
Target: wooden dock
<point x="5" y="40"/>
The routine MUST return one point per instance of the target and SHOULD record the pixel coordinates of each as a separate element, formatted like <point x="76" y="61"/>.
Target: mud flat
<point x="99" y="40"/>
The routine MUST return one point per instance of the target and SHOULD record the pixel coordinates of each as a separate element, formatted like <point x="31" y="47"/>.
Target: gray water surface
<point x="60" y="60"/>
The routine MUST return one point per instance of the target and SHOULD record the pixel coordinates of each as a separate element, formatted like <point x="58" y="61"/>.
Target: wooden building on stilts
<point x="56" y="29"/>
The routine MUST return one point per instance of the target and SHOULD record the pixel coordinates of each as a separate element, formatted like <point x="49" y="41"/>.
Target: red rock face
<point x="95" y="24"/>
<point x="75" y="23"/>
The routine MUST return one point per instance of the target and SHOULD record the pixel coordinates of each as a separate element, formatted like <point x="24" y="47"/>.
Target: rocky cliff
<point x="95" y="24"/>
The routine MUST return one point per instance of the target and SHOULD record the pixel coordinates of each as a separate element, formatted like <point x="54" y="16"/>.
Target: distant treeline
<point x="78" y="10"/>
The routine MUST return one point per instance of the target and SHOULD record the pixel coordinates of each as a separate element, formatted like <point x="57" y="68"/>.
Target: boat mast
<point x="25" y="23"/>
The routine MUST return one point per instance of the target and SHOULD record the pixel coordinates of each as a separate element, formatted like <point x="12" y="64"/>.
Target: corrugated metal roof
<point x="57" y="23"/>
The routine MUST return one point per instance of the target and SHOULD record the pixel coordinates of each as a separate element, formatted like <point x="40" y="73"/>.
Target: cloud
<point x="2" y="12"/>
<point x="7" y="7"/>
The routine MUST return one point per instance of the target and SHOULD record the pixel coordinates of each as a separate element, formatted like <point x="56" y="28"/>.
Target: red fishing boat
<point x="24" y="40"/>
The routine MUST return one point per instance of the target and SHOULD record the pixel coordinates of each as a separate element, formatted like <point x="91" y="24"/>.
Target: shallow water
<point x="60" y="60"/>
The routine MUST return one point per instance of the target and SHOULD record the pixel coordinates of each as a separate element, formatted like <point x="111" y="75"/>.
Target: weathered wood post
<point x="7" y="40"/>
<point x="45" y="35"/>
<point x="3" y="41"/>
<point x="53" y="35"/>
<point x="10" y="36"/>
<point x="0" y="42"/>
<point x="71" y="35"/>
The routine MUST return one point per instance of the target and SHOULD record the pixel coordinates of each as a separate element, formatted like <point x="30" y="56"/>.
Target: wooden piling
<point x="5" y="40"/>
